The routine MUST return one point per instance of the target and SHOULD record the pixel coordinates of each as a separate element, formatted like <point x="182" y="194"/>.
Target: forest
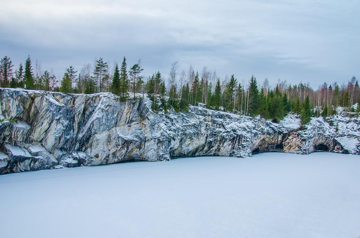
<point x="182" y="89"/>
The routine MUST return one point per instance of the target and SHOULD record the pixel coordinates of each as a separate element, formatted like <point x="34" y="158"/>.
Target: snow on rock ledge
<point x="55" y="129"/>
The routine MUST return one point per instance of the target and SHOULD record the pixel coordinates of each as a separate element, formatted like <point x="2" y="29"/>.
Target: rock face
<point x="42" y="130"/>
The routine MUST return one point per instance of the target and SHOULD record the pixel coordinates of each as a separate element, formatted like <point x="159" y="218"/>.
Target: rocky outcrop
<point x="42" y="130"/>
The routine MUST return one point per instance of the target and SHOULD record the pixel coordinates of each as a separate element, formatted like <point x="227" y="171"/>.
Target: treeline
<point x="189" y="88"/>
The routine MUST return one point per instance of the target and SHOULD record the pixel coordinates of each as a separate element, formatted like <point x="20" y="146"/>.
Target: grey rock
<point x="3" y="162"/>
<point x="55" y="129"/>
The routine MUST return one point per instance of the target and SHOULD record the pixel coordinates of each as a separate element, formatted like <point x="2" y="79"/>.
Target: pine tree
<point x="115" y="86"/>
<point x="306" y="111"/>
<point x="135" y="75"/>
<point x="46" y="80"/>
<point x="6" y="72"/>
<point x="28" y="77"/>
<point x="100" y="71"/>
<point x="139" y="85"/>
<point x="66" y="84"/>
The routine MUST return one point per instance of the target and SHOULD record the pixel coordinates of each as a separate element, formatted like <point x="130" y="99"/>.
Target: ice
<point x="270" y="195"/>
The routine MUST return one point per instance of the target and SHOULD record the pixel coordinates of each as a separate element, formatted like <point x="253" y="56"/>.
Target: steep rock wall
<point x="41" y="130"/>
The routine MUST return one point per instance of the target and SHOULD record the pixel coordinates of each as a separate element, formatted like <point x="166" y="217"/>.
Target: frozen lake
<point x="268" y="195"/>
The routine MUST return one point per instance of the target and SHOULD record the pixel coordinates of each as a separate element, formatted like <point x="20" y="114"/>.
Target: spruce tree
<point x="13" y="83"/>
<point x="66" y="84"/>
<point x="297" y="107"/>
<point x="195" y="90"/>
<point x="19" y="76"/>
<point x="124" y="82"/>
<point x="324" y="113"/>
<point x="229" y="92"/>
<point x="217" y="95"/>
<point x="239" y="100"/>
<point x="209" y="94"/>
<point x="89" y="85"/>
<point x="264" y="110"/>
<point x="184" y="102"/>
<point x="346" y="99"/>
<point x="28" y="75"/>
<point x="276" y="106"/>
<point x="162" y="89"/>
<point x="253" y="97"/>
<point x="115" y="86"/>
<point x="173" y="102"/>
<point x="336" y="98"/>
<point x="306" y="111"/>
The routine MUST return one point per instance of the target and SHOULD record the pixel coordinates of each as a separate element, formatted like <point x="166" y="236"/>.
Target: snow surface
<point x="291" y="122"/>
<point x="53" y="100"/>
<point x="269" y="195"/>
<point x="21" y="124"/>
<point x="17" y="151"/>
<point x="348" y="143"/>
<point x="3" y="160"/>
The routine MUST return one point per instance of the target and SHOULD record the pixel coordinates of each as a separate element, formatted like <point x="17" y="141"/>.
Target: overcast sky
<point x="298" y="41"/>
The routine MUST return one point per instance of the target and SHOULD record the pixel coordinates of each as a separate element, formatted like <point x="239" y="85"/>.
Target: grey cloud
<point x="313" y="41"/>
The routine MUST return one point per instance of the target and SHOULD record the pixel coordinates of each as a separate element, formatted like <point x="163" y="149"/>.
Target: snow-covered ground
<point x="268" y="195"/>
